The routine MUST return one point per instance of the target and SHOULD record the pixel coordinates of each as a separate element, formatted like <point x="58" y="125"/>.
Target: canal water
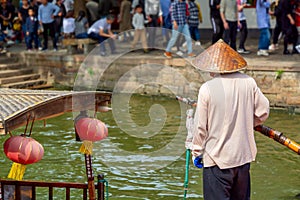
<point x="143" y="156"/>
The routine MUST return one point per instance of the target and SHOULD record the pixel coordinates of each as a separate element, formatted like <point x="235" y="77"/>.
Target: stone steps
<point x="15" y="74"/>
<point x="25" y="84"/>
<point x="16" y="65"/>
<point x="14" y="79"/>
<point x="5" y="59"/>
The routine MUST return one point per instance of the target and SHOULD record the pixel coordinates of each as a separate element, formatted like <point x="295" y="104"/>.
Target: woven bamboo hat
<point x="219" y="58"/>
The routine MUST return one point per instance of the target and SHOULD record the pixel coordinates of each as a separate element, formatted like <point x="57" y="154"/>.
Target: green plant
<point x="278" y="74"/>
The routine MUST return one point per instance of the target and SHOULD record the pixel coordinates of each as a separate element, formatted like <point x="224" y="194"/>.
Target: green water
<point x="150" y="163"/>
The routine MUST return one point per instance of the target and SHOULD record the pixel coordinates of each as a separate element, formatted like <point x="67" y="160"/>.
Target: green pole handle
<point x="186" y="177"/>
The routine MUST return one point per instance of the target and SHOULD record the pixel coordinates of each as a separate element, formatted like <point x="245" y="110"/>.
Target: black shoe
<point x="286" y="52"/>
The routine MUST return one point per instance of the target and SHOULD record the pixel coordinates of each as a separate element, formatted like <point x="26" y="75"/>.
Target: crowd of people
<point x="33" y="21"/>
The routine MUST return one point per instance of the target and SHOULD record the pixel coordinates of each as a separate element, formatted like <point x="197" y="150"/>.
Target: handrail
<point x="34" y="184"/>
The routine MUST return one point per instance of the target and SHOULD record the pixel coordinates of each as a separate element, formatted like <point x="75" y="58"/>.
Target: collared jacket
<point x="46" y="11"/>
<point x="32" y="25"/>
<point x="262" y="13"/>
<point x="179" y="12"/>
<point x="229" y="107"/>
<point x="193" y="18"/>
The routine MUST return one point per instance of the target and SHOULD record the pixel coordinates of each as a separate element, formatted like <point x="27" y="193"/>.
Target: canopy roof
<point x="18" y="107"/>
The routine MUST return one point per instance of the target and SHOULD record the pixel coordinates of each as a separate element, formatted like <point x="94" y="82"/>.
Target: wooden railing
<point x="11" y="189"/>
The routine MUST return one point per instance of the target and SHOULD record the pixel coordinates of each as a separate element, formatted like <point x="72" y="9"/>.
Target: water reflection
<point x="275" y="174"/>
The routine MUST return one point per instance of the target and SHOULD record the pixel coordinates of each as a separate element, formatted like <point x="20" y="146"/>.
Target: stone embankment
<point x="277" y="75"/>
<point x="15" y="74"/>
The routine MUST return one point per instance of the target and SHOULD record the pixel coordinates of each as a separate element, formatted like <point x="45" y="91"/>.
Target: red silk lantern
<point x="22" y="151"/>
<point x="90" y="130"/>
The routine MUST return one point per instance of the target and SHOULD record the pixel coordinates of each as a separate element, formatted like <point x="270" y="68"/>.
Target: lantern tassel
<point x="17" y="171"/>
<point x="86" y="147"/>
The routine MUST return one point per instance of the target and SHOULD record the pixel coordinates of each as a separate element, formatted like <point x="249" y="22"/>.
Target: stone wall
<point x="155" y="75"/>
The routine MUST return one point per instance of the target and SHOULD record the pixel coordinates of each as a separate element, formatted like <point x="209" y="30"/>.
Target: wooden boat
<point x="20" y="107"/>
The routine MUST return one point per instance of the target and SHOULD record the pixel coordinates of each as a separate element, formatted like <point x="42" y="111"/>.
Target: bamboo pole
<point x="267" y="131"/>
<point x="90" y="176"/>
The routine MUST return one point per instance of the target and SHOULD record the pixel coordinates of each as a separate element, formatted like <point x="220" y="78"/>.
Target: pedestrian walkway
<point x="275" y="61"/>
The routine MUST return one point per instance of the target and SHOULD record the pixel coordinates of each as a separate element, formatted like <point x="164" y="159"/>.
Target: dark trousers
<point x="32" y="37"/>
<point x="218" y="29"/>
<point x="49" y="28"/>
<point x="291" y="36"/>
<point x="101" y="40"/>
<point x="152" y="30"/>
<point x="226" y="184"/>
<point x="195" y="34"/>
<point x="230" y="34"/>
<point x="243" y="34"/>
<point x="277" y="30"/>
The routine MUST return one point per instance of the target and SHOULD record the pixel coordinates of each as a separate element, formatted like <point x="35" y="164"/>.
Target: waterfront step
<point x="14" y="72"/>
<point x="14" y="79"/>
<point x="6" y="60"/>
<point x="13" y="65"/>
<point x="25" y="84"/>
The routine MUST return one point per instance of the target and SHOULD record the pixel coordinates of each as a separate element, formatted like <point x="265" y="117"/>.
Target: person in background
<point x="6" y="15"/>
<point x="243" y="26"/>
<point x="179" y="21"/>
<point x="216" y="20"/>
<point x="81" y="25"/>
<point x="153" y="14"/>
<point x="35" y="5"/>
<point x="59" y="19"/>
<point x="23" y="14"/>
<point x="229" y="106"/>
<point x="47" y="12"/>
<point x="69" y="5"/>
<point x="288" y="26"/>
<point x="2" y="42"/>
<point x="32" y="25"/>
<point x="229" y="15"/>
<point x="100" y="31"/>
<point x="263" y="23"/>
<point x="92" y="7"/>
<point x="193" y="21"/>
<point x="277" y="28"/>
<point x="69" y="25"/>
<point x="297" y="23"/>
<point x="105" y="7"/>
<point x="17" y="35"/>
<point x="166" y="19"/>
<point x="125" y="19"/>
<point x="138" y="22"/>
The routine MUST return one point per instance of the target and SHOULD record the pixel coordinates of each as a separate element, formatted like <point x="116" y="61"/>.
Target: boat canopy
<point x="18" y="107"/>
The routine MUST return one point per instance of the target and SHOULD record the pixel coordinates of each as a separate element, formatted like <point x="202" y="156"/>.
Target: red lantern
<point x="90" y="130"/>
<point x="22" y="151"/>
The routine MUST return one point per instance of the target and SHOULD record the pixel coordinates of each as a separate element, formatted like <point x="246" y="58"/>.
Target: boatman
<point x="229" y="106"/>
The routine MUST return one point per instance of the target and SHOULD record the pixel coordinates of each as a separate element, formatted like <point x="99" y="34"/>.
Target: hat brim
<point x="220" y="58"/>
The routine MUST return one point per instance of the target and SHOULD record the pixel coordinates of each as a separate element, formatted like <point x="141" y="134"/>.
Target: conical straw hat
<point x="219" y="58"/>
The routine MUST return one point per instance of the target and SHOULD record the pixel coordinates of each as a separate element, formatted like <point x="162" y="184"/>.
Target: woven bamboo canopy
<point x="18" y="107"/>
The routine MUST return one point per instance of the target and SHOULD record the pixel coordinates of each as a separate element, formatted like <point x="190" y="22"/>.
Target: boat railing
<point x="18" y="190"/>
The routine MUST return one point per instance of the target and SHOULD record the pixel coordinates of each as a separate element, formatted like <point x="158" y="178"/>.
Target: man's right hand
<point x="198" y="161"/>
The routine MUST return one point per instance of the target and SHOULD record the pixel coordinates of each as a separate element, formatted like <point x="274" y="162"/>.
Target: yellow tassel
<point x="86" y="147"/>
<point x="17" y="171"/>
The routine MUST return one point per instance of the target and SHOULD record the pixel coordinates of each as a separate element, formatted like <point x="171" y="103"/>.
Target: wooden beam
<point x="73" y="102"/>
